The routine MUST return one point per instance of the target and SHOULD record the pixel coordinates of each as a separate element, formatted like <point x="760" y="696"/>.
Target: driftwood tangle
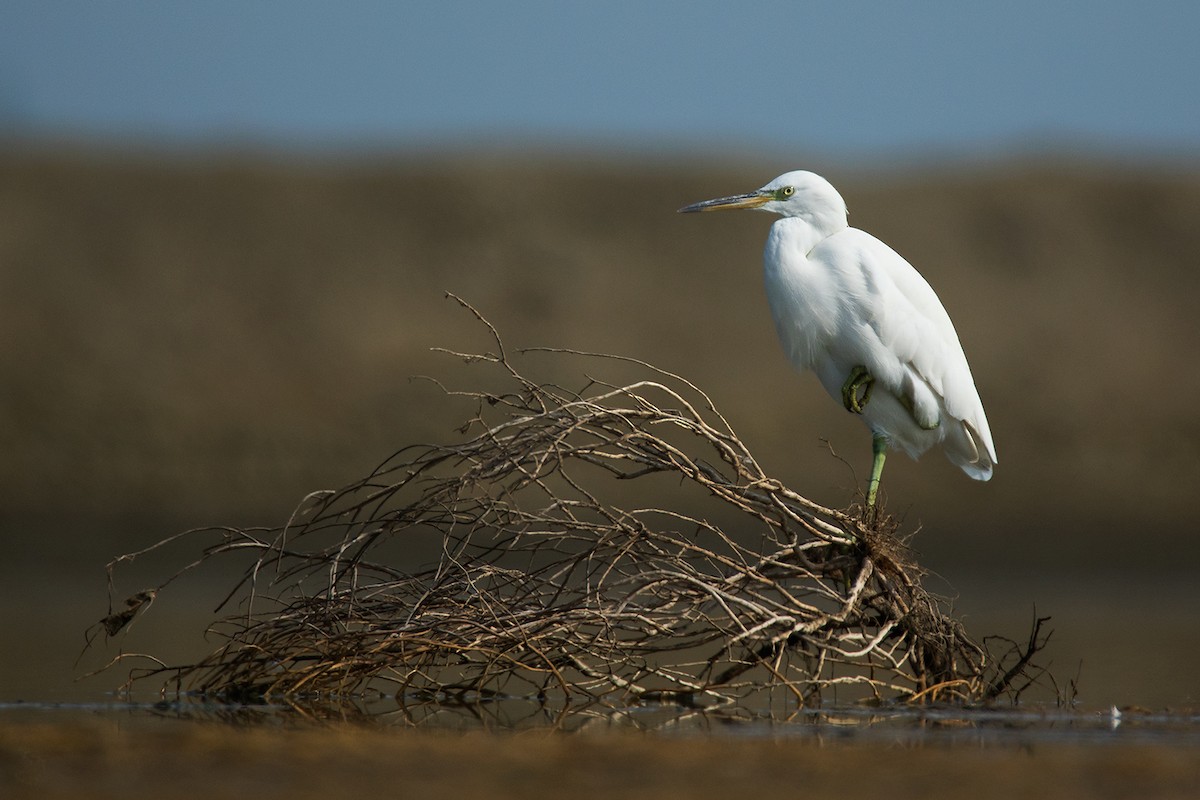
<point x="536" y="585"/>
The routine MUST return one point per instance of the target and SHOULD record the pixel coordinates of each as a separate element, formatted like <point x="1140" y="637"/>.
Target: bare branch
<point x="553" y="575"/>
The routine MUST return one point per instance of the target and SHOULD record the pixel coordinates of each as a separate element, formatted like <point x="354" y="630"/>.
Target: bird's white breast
<point x="802" y="294"/>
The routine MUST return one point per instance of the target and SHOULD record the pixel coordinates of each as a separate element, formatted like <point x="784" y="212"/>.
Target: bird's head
<point x="793" y="194"/>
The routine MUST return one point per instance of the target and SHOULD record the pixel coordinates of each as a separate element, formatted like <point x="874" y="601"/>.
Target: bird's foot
<point x="856" y="391"/>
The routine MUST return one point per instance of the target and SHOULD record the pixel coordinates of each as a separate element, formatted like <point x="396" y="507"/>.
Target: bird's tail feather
<point x="966" y="449"/>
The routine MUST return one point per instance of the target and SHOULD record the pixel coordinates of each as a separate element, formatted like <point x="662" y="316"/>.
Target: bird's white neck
<point x="802" y="234"/>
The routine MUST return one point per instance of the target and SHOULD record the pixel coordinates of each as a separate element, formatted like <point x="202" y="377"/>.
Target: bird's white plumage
<point x="843" y="299"/>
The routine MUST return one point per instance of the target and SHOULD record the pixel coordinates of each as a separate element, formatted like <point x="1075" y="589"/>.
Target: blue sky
<point x="847" y="79"/>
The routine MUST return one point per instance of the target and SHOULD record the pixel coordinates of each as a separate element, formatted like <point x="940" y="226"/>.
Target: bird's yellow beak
<point x="748" y="200"/>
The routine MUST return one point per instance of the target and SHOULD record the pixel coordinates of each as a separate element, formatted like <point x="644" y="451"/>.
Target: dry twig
<point x="539" y="586"/>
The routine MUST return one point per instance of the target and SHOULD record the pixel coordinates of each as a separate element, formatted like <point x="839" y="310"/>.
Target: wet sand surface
<point x="87" y="754"/>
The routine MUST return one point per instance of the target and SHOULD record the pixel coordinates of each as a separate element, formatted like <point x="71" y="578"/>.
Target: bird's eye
<point x="785" y="192"/>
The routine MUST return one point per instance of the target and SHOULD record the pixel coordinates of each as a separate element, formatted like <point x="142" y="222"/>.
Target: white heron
<point x="851" y="309"/>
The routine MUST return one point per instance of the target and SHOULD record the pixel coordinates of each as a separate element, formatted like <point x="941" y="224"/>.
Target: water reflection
<point x="900" y="725"/>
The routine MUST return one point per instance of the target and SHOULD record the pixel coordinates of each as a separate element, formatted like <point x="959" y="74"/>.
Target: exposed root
<point x="720" y="586"/>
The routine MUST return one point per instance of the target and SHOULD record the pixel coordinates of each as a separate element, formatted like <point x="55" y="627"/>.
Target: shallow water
<point x="897" y="725"/>
<point x="65" y="737"/>
<point x="1119" y="640"/>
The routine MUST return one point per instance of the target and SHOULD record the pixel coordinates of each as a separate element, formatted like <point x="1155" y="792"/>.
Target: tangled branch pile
<point x="536" y="585"/>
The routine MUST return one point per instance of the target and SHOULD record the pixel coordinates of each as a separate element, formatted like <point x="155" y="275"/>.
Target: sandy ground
<point x="101" y="758"/>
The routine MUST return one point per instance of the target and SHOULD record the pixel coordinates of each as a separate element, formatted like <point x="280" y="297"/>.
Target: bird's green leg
<point x="859" y="379"/>
<point x="879" y="447"/>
